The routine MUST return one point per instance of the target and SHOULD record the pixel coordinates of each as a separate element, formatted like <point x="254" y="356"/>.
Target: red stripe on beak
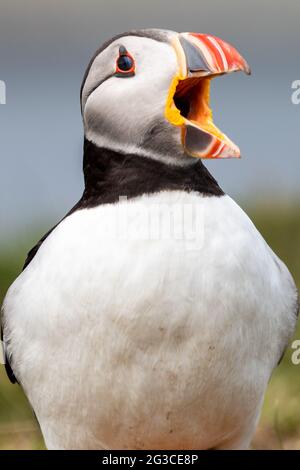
<point x="219" y="55"/>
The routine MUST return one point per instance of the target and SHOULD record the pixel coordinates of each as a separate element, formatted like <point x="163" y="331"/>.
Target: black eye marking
<point x="125" y="65"/>
<point x="122" y="50"/>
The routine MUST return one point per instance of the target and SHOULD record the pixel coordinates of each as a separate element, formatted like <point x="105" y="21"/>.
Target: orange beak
<point x="201" y="57"/>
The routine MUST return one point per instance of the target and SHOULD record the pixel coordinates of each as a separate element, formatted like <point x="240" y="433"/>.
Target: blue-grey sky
<point x="45" y="46"/>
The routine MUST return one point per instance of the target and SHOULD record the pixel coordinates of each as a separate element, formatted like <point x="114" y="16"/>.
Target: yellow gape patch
<point x="196" y="91"/>
<point x="172" y="113"/>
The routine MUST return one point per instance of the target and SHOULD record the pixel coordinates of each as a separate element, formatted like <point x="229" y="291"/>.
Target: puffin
<point x="153" y="314"/>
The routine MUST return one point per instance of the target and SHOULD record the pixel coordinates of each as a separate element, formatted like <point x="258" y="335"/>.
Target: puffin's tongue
<point x="201" y="137"/>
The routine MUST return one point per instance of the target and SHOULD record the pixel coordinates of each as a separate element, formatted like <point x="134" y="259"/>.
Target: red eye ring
<point x="125" y="64"/>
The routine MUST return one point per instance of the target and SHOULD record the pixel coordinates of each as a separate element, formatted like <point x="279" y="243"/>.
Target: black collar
<point x="109" y="175"/>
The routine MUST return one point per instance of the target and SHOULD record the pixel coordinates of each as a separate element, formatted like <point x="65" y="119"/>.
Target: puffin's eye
<point x="125" y="63"/>
<point x="125" y="66"/>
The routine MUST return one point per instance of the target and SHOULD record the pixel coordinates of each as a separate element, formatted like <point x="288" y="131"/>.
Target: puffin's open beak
<point x="201" y="57"/>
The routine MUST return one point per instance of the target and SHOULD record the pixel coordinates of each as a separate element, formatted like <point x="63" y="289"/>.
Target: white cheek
<point x="122" y="109"/>
<point x="118" y="107"/>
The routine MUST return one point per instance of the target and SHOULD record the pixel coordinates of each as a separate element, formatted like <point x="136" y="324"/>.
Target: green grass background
<point x="279" y="427"/>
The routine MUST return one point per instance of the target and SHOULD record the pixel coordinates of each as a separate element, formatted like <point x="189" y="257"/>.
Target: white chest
<point x="139" y="323"/>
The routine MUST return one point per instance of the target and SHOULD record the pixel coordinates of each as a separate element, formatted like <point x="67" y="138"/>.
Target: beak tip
<point x="248" y="70"/>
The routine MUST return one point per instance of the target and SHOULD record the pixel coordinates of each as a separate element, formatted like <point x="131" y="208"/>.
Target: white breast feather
<point x="150" y="343"/>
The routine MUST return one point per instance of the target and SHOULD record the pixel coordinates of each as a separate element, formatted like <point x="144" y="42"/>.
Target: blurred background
<point x="44" y="49"/>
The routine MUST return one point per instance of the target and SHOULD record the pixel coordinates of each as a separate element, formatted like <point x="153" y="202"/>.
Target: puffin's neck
<point x="109" y="175"/>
